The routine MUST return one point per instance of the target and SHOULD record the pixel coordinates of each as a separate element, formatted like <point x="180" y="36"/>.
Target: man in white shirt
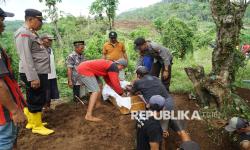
<point x="52" y="92"/>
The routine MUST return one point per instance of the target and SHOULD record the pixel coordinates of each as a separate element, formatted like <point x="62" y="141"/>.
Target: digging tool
<point x="79" y="100"/>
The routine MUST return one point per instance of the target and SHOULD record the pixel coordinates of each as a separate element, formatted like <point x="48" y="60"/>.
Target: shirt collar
<point x="113" y="44"/>
<point x="31" y="30"/>
<point x="75" y="53"/>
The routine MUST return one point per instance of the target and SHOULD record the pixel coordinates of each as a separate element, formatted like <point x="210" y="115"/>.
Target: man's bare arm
<point x="6" y="99"/>
<point x="69" y="74"/>
<point x="154" y="145"/>
<point x="125" y="56"/>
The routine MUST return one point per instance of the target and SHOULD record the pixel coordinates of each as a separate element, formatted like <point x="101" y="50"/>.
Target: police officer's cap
<point x="78" y="43"/>
<point x="33" y="13"/>
<point x="5" y="14"/>
<point x="112" y="34"/>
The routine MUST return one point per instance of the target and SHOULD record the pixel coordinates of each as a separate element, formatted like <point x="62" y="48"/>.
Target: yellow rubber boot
<point x="30" y="124"/>
<point x="38" y="126"/>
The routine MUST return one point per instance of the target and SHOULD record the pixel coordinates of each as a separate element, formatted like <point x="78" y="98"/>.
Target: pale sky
<point x="74" y="7"/>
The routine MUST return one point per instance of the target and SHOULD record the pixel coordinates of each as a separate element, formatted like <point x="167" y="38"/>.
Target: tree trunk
<point x="113" y="23"/>
<point x="58" y="35"/>
<point x="110" y="23"/>
<point x="217" y="85"/>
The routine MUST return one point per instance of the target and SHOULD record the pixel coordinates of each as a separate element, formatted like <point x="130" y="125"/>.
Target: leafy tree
<point x="159" y="25"/>
<point x="178" y="37"/>
<point x="94" y="46"/>
<point x="53" y="15"/>
<point x="139" y="32"/>
<point x="98" y="7"/>
<point x="226" y="58"/>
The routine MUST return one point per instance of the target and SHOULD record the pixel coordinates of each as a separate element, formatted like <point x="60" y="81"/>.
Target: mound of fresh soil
<point x="244" y="93"/>
<point x="116" y="132"/>
<point x="198" y="130"/>
<point x="72" y="132"/>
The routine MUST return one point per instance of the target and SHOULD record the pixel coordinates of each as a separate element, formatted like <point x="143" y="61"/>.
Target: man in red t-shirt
<point x="91" y="70"/>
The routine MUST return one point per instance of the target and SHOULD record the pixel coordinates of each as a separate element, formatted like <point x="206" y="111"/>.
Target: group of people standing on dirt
<point x="38" y="75"/>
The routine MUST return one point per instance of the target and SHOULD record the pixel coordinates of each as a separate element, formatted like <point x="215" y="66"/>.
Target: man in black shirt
<point x="149" y="131"/>
<point x="149" y="86"/>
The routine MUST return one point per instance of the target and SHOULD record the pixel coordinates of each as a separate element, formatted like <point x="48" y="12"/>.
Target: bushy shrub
<point x="139" y="32"/>
<point x="177" y="36"/>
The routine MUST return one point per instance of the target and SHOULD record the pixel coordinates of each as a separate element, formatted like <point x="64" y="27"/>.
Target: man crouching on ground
<point x="91" y="70"/>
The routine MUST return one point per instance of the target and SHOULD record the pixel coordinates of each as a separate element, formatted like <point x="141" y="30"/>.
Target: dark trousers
<point x="76" y="91"/>
<point x="36" y="98"/>
<point x="158" y="68"/>
<point x="52" y="91"/>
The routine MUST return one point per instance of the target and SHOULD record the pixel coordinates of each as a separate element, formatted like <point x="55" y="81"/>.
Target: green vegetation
<point x="177" y="36"/>
<point x="186" y="28"/>
<point x="183" y="11"/>
<point x="99" y="7"/>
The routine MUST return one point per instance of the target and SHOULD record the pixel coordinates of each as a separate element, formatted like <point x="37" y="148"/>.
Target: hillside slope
<point x="186" y="11"/>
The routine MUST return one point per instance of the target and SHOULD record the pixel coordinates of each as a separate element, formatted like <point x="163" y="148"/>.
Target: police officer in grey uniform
<point x="161" y="59"/>
<point x="34" y="66"/>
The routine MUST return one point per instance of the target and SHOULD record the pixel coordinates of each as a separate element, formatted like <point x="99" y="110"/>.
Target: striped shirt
<point x="72" y="61"/>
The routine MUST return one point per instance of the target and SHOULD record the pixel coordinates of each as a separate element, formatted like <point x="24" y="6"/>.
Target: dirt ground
<point x="244" y="93"/>
<point x="116" y="132"/>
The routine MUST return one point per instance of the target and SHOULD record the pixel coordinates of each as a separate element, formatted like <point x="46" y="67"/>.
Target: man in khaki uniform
<point x="34" y="66"/>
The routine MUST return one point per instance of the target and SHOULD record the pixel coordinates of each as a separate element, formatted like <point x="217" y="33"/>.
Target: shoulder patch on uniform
<point x="25" y="35"/>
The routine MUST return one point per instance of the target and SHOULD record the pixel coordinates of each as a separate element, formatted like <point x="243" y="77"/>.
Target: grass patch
<point x="243" y="74"/>
<point x="180" y="82"/>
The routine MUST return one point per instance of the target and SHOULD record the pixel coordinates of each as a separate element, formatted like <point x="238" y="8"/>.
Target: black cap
<point x="139" y="41"/>
<point x="5" y="14"/>
<point x="112" y="34"/>
<point x="78" y="43"/>
<point x="33" y="13"/>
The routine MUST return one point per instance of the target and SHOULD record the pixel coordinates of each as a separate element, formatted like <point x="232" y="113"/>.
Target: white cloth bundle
<point x="121" y="101"/>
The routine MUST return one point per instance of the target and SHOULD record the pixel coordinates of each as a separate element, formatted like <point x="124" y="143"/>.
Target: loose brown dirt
<point x="116" y="132"/>
<point x="244" y="93"/>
